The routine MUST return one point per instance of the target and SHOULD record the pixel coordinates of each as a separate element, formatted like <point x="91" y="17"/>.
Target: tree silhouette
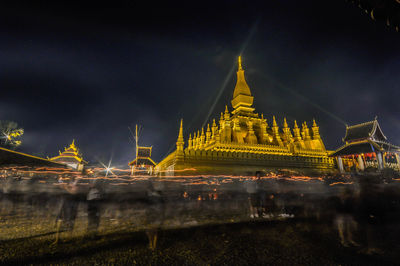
<point x="10" y="134"/>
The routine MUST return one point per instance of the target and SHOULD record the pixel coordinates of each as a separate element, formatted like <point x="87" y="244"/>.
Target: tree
<point x="10" y="134"/>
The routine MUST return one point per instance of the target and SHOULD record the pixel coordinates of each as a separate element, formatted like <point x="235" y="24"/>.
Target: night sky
<point x="89" y="74"/>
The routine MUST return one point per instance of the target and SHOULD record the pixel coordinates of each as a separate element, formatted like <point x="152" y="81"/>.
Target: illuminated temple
<point x="70" y="157"/>
<point x="366" y="147"/>
<point x="243" y="142"/>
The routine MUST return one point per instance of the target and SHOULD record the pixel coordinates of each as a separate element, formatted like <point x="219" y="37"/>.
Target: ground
<point x="206" y="224"/>
<point x="289" y="242"/>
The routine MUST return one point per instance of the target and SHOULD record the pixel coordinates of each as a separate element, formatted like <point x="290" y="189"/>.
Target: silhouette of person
<point x="93" y="200"/>
<point x="344" y="220"/>
<point x="154" y="214"/>
<point x="69" y="208"/>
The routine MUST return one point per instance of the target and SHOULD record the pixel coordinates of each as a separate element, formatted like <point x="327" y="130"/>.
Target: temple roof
<point x="69" y="155"/>
<point x="367" y="130"/>
<point x="143" y="157"/>
<point x="10" y="157"/>
<point x="364" y="138"/>
<point x="365" y="146"/>
<point x="144" y="151"/>
<point x="143" y="161"/>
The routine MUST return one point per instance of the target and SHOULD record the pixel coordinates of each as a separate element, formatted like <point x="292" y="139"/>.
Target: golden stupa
<point x="243" y="143"/>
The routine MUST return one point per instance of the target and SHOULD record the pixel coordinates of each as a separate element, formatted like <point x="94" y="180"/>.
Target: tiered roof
<point x="364" y="131"/>
<point x="70" y="155"/>
<point x="364" y="138"/>
<point x="143" y="157"/>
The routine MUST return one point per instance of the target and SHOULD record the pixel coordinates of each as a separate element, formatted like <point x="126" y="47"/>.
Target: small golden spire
<point x="274" y="122"/>
<point x="202" y="131"/>
<point x="240" y="63"/>
<point x="208" y="128"/>
<point x="190" y="142"/>
<point x="285" y="125"/>
<point x="226" y="116"/>
<point x="295" y="124"/>
<point x="314" y="123"/>
<point x="214" y="124"/>
<point x="72" y="146"/>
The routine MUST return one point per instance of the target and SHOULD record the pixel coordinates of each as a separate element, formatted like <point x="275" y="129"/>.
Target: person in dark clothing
<point x="69" y="208"/>
<point x="371" y="210"/>
<point x="93" y="199"/>
<point x="154" y="214"/>
<point x="344" y="220"/>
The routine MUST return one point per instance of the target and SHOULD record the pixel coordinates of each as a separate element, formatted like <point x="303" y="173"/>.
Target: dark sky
<point x="73" y="72"/>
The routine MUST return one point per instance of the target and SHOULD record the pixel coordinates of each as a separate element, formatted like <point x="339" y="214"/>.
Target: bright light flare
<point x="108" y="169"/>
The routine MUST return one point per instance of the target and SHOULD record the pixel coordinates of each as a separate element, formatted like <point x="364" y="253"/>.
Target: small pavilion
<point x="70" y="157"/>
<point x="366" y="146"/>
<point x="142" y="164"/>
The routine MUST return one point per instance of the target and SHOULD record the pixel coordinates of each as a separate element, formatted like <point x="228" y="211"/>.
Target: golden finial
<point x="208" y="127"/>
<point x="274" y="122"/>
<point x="285" y="123"/>
<point x="262" y="116"/>
<point x="202" y="131"/>
<point x="227" y="116"/>
<point x="72" y="146"/>
<point x="314" y="123"/>
<point x="295" y="124"/>
<point x="240" y="63"/>
<point x="214" y="125"/>
<point x="190" y="136"/>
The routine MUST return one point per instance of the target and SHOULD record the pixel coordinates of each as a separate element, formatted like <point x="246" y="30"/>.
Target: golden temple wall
<point x="226" y="162"/>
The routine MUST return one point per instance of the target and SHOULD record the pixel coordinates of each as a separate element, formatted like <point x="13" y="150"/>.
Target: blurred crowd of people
<point x="359" y="211"/>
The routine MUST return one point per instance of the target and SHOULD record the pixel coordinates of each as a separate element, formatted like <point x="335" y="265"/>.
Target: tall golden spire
<point x="180" y="136"/>
<point x="180" y="143"/>
<point x="242" y="99"/>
